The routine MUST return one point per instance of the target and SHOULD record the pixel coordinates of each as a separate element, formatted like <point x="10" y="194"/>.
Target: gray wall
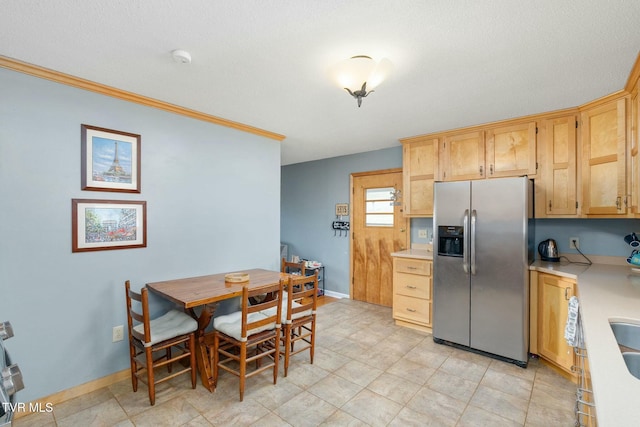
<point x="213" y="205"/>
<point x="311" y="190"/>
<point x="596" y="236"/>
<point x="309" y="195"/>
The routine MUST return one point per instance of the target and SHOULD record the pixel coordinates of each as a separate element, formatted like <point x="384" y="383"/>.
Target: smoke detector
<point x="181" y="56"/>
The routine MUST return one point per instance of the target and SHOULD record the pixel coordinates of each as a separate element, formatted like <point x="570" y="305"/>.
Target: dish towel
<point x="573" y="328"/>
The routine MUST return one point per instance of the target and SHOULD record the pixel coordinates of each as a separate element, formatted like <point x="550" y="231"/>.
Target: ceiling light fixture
<point x="360" y="75"/>
<point x="181" y="56"/>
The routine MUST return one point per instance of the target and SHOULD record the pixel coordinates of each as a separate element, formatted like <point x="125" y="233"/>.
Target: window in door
<point x="379" y="205"/>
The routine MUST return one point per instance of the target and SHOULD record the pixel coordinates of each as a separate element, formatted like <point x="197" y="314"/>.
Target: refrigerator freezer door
<point x="451" y="282"/>
<point x="500" y="285"/>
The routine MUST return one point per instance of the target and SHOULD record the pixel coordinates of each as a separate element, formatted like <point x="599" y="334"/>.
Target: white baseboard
<point x="335" y="294"/>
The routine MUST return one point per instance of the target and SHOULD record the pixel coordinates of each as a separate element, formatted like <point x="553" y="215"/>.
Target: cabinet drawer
<point x="412" y="285"/>
<point x="413" y="266"/>
<point x="412" y="309"/>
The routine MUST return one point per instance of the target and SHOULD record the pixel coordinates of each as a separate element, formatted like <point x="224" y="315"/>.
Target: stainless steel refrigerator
<point x="483" y="246"/>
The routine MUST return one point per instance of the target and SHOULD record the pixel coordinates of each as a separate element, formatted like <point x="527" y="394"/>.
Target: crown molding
<point x="66" y="79"/>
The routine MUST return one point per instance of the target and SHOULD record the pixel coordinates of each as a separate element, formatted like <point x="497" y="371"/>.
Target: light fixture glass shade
<point x="352" y="74"/>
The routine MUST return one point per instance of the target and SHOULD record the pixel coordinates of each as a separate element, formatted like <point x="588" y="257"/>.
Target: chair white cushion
<point x="271" y="311"/>
<point x="231" y="324"/>
<point x="169" y="325"/>
<point x="302" y="313"/>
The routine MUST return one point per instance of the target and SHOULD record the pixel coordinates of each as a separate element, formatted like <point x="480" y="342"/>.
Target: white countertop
<point x="606" y="292"/>
<point x="414" y="253"/>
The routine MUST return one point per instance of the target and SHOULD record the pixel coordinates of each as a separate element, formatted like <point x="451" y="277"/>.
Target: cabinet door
<point x="603" y="159"/>
<point x="463" y="156"/>
<point x="553" y="307"/>
<point x="420" y="169"/>
<point x="560" y="166"/>
<point x="634" y="153"/>
<point x="511" y="151"/>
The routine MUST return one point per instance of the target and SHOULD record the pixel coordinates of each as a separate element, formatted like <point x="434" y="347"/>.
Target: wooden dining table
<point x="205" y="292"/>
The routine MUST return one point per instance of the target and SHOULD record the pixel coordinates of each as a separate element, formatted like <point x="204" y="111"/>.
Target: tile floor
<point x="367" y="372"/>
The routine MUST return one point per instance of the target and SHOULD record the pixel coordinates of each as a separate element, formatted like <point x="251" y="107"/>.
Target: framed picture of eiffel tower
<point x="110" y="160"/>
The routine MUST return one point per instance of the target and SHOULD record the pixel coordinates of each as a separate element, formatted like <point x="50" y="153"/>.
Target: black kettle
<point x="548" y="250"/>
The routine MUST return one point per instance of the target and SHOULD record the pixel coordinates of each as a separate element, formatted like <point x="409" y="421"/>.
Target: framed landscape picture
<point x="98" y="225"/>
<point x="110" y="160"/>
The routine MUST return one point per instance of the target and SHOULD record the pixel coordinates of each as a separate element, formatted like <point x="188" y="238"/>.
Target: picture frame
<point x="98" y="225"/>
<point x="110" y="160"/>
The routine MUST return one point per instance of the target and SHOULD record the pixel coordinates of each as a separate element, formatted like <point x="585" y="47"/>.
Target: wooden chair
<point x="255" y="329"/>
<point x="292" y="267"/>
<point x="147" y="338"/>
<point x="300" y="324"/>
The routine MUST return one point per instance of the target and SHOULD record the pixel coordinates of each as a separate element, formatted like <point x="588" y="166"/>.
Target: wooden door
<point x="603" y="159"/>
<point x="553" y="308"/>
<point x="560" y="166"/>
<point x="511" y="151"/>
<point x="463" y="156"/>
<point x="420" y="169"/>
<point x="378" y="228"/>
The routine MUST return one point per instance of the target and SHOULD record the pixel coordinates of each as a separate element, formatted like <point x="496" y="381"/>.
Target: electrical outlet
<point x="118" y="333"/>
<point x="422" y="233"/>
<point x="573" y="245"/>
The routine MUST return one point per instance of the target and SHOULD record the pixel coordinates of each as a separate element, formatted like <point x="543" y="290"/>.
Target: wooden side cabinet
<point x="412" y="293"/>
<point x="462" y="156"/>
<point x="604" y="158"/>
<point x="554" y="293"/>
<point x="511" y="150"/>
<point x="560" y="172"/>
<point x="419" y="169"/>
<point x="634" y="152"/>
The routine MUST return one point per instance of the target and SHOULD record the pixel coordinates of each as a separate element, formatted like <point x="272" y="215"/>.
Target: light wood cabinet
<point x="559" y="166"/>
<point x="462" y="156"/>
<point x="511" y="150"/>
<point x="604" y="158"/>
<point x="634" y="153"/>
<point x="420" y="169"/>
<point x="412" y="292"/>
<point x="552" y="311"/>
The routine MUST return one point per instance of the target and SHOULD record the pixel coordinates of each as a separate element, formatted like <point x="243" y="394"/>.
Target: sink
<point x="632" y="361"/>
<point x="627" y="335"/>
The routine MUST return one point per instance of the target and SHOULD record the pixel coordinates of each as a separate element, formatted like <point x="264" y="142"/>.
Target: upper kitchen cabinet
<point x="419" y="169"/>
<point x="559" y="171"/>
<point x="462" y="156"/>
<point x="634" y="153"/>
<point x="604" y="158"/>
<point x="511" y="150"/>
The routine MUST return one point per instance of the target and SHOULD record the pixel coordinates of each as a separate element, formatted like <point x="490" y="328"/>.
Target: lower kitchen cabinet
<point x="412" y="293"/>
<point x="554" y="293"/>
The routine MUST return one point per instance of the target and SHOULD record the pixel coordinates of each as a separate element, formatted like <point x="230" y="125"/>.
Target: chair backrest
<point x="270" y="307"/>
<point x="304" y="291"/>
<point x="139" y="314"/>
<point x="292" y="267"/>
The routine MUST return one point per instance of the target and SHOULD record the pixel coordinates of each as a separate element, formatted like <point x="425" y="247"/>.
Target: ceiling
<point x="264" y="63"/>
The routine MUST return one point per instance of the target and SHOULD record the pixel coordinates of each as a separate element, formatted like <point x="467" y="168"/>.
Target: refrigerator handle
<point x="465" y="234"/>
<point x="473" y="241"/>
